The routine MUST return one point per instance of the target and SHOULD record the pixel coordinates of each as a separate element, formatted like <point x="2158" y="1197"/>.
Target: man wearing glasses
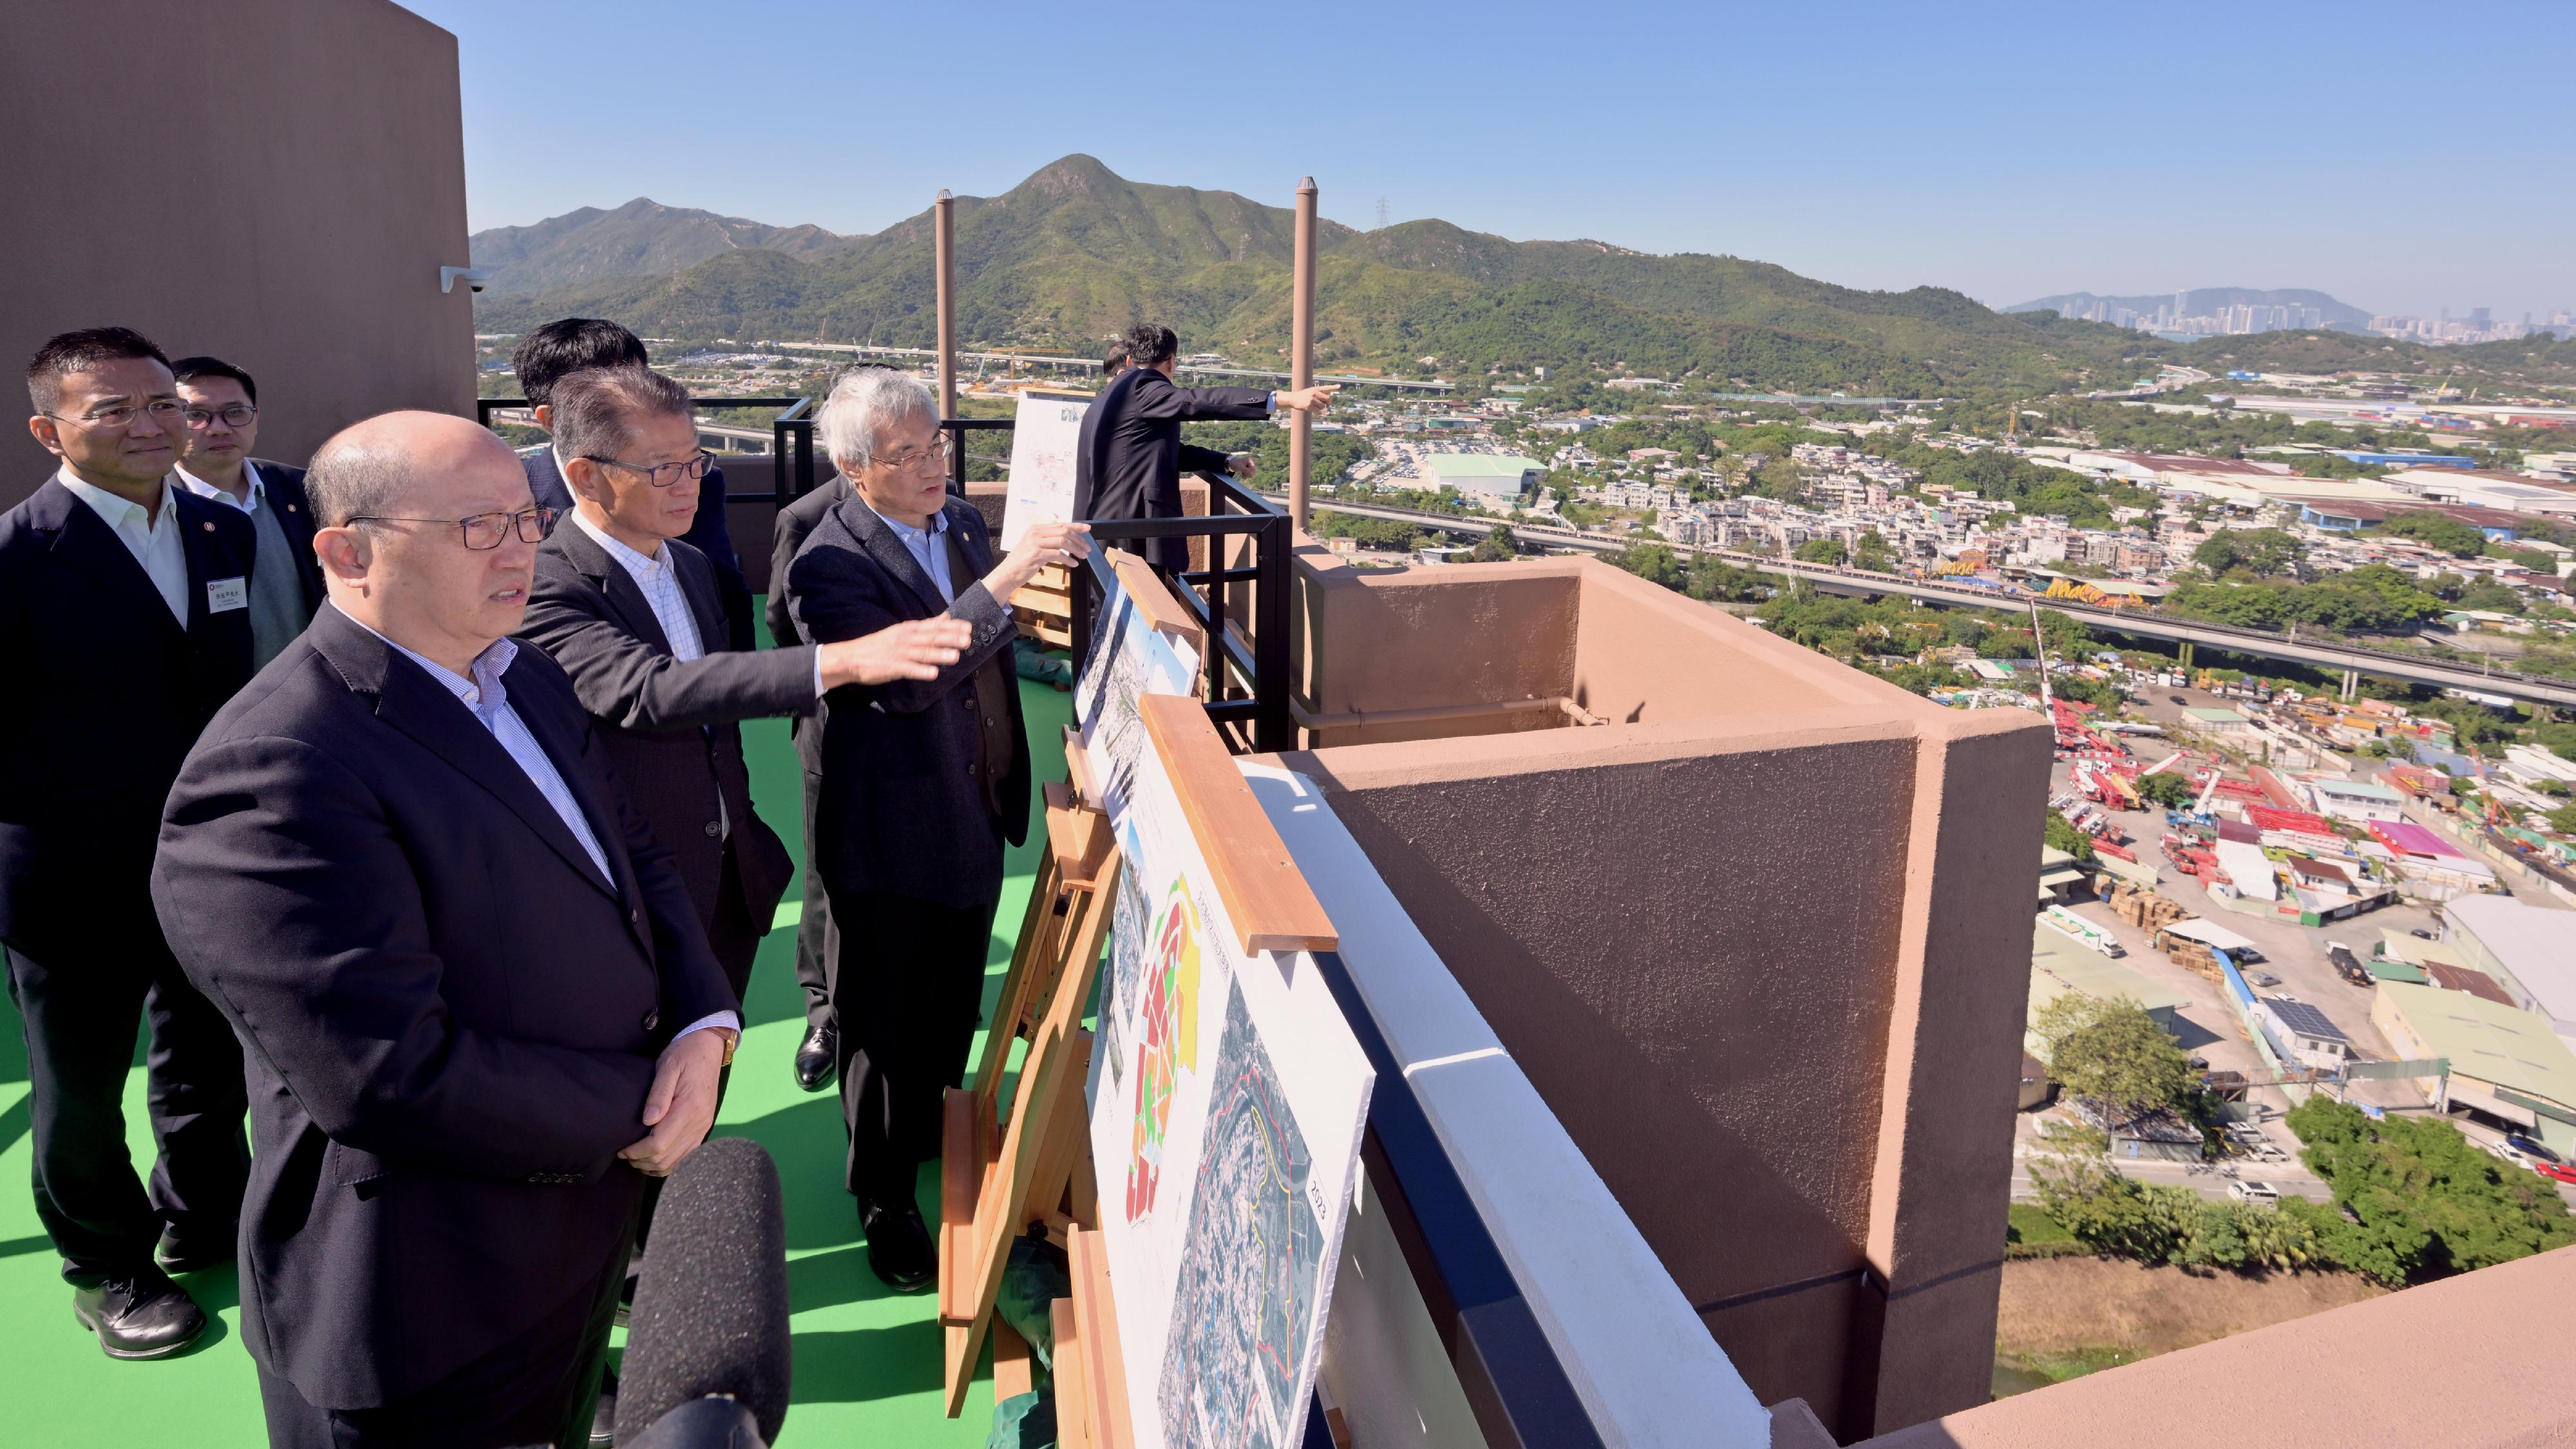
<point x="479" y="1003"/>
<point x="632" y="614"/>
<point x="221" y="406"/>
<point x="125" y="618"/>
<point x="923" y="781"/>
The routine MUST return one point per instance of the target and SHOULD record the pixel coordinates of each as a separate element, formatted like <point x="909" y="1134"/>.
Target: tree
<point x="2252" y="552"/>
<point x="1874" y="553"/>
<point x="2112" y="1052"/>
<point x="2491" y="597"/>
<point x="1649" y="561"/>
<point x="2167" y="789"/>
<point x="1780" y="478"/>
<point x="2059" y="833"/>
<point x="2066" y="635"/>
<point x="2417" y="1199"/>
<point x="2439" y="530"/>
<point x="1821" y="551"/>
<point x="1496" y="546"/>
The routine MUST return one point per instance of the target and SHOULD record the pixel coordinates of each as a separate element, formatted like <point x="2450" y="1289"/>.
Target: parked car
<point x="2262" y="978"/>
<point x="2261" y="1194"/>
<point x="2529" y="1148"/>
<point x="2420" y="934"/>
<point x="2558" y="1170"/>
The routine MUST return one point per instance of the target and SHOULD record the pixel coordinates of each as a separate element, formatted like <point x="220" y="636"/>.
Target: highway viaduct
<point x="2350" y="659"/>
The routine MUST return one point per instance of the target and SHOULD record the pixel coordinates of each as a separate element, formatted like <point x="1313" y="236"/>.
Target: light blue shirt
<point x="929" y="548"/>
<point x="489" y="700"/>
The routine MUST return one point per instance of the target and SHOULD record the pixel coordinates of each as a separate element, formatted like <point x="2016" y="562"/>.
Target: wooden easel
<point x="998" y="1176"/>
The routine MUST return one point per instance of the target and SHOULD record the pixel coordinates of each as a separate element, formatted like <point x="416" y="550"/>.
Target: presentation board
<point x="1227" y="1097"/>
<point x="1045" y="436"/>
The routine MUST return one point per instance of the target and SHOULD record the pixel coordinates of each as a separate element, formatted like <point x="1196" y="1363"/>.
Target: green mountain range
<point x="1076" y="252"/>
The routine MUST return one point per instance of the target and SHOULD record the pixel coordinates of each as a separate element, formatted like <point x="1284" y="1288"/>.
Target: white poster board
<point x="1044" y="439"/>
<point x="1227" y="1098"/>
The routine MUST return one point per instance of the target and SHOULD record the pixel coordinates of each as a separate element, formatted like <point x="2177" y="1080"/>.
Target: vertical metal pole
<point x="1301" y="360"/>
<point x="943" y="213"/>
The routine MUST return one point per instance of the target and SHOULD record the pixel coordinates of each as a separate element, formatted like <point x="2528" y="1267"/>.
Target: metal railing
<point x="1247" y="681"/>
<point x="791" y="436"/>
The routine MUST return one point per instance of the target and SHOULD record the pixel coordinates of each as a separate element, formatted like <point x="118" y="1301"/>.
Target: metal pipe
<point x="1301" y="361"/>
<point x="943" y="214"/>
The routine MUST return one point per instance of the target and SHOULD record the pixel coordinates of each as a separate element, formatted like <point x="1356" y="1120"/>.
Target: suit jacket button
<point x="714" y="829"/>
<point x="652" y="1019"/>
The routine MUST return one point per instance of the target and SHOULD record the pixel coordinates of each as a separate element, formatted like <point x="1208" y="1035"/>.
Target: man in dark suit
<point x="818" y="1056"/>
<point x="1129" y="455"/>
<point x="630" y="613"/>
<point x="576" y="344"/>
<point x="222" y="405"/>
<point x="923" y="782"/>
<point x="475" y="992"/>
<point x="124" y="615"/>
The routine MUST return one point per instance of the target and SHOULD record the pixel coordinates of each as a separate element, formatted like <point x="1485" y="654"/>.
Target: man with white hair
<point x="922" y="783"/>
<point x="478" y="1004"/>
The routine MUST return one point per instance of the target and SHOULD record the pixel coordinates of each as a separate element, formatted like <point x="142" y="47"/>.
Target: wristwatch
<point x="732" y="1039"/>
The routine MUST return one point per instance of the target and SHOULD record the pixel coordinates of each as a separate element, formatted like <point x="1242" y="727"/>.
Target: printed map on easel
<point x="1227" y="1098"/>
<point x="1128" y="657"/>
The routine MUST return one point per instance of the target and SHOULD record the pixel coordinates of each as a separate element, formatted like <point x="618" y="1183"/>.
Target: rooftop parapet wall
<point x="2480" y="1361"/>
<point x="1734" y="935"/>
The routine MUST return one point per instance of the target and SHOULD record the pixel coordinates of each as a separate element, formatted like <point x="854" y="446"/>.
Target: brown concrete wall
<point x="276" y="182"/>
<point x="1764" y="950"/>
<point x="2480" y="1361"/>
<point x="1382" y="639"/>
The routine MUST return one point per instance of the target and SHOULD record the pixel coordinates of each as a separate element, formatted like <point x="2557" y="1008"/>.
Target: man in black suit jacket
<point x="475" y="993"/>
<point x="923" y="782"/>
<point x="124" y="618"/>
<point x="630" y="613"/>
<point x="222" y="404"/>
<point x="818" y="1056"/>
<point x="1129" y="455"/>
<point x="561" y="348"/>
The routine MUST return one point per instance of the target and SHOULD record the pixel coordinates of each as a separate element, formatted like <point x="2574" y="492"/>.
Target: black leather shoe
<point x="141" y="1316"/>
<point x="194" y="1254"/>
<point x="899" y="1248"/>
<point x="603" y="1424"/>
<point x="818" y="1059"/>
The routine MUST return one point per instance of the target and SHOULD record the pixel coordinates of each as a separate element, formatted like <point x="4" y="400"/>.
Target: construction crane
<point x="2039" y="646"/>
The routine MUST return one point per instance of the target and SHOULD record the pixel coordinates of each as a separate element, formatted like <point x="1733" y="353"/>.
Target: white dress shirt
<point x="221" y="494"/>
<point x="490" y="702"/>
<point x="658" y="575"/>
<point x="928" y="547"/>
<point x="153" y="538"/>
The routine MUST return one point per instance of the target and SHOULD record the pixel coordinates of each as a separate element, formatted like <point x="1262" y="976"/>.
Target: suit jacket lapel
<point x="421" y="707"/>
<point x="565" y="751"/>
<point x="625" y="597"/>
<point x="87" y="539"/>
<point x="878" y="537"/>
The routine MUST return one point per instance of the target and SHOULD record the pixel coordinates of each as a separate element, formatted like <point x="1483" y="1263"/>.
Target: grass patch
<point x="2030" y="1223"/>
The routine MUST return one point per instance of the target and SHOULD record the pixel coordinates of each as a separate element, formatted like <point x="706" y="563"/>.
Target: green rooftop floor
<point x="867" y="1362"/>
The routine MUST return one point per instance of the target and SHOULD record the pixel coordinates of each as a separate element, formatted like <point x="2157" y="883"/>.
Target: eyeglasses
<point x="164" y="410"/>
<point x="233" y="415"/>
<point x="484" y="531"/>
<point x="913" y="458"/>
<point x="662" y="475"/>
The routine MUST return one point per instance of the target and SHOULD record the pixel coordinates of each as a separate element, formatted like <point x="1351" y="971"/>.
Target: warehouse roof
<point x="2534" y="943"/>
<point x="2489" y="1042"/>
<point x="1481" y="465"/>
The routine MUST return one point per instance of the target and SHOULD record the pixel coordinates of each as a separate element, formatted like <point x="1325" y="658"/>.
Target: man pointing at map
<point x="1129" y="461"/>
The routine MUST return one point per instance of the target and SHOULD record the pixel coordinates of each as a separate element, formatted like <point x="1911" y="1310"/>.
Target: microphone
<point x="706" y="1343"/>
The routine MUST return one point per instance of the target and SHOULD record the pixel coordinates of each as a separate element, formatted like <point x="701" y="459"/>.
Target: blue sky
<point x="2403" y="159"/>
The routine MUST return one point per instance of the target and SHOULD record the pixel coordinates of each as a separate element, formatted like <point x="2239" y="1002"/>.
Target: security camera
<point x="472" y="277"/>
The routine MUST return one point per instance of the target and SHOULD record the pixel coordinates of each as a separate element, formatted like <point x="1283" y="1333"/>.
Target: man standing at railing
<point x="924" y="782"/>
<point x="575" y="344"/>
<point x="1129" y="458"/>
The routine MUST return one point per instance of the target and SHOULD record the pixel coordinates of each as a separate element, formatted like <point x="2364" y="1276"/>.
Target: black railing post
<point x="1274" y="728"/>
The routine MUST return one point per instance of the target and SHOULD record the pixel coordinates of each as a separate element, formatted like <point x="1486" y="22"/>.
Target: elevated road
<point x="2348" y="658"/>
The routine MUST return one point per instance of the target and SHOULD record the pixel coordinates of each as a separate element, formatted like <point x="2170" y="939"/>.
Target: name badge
<point x="225" y="595"/>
